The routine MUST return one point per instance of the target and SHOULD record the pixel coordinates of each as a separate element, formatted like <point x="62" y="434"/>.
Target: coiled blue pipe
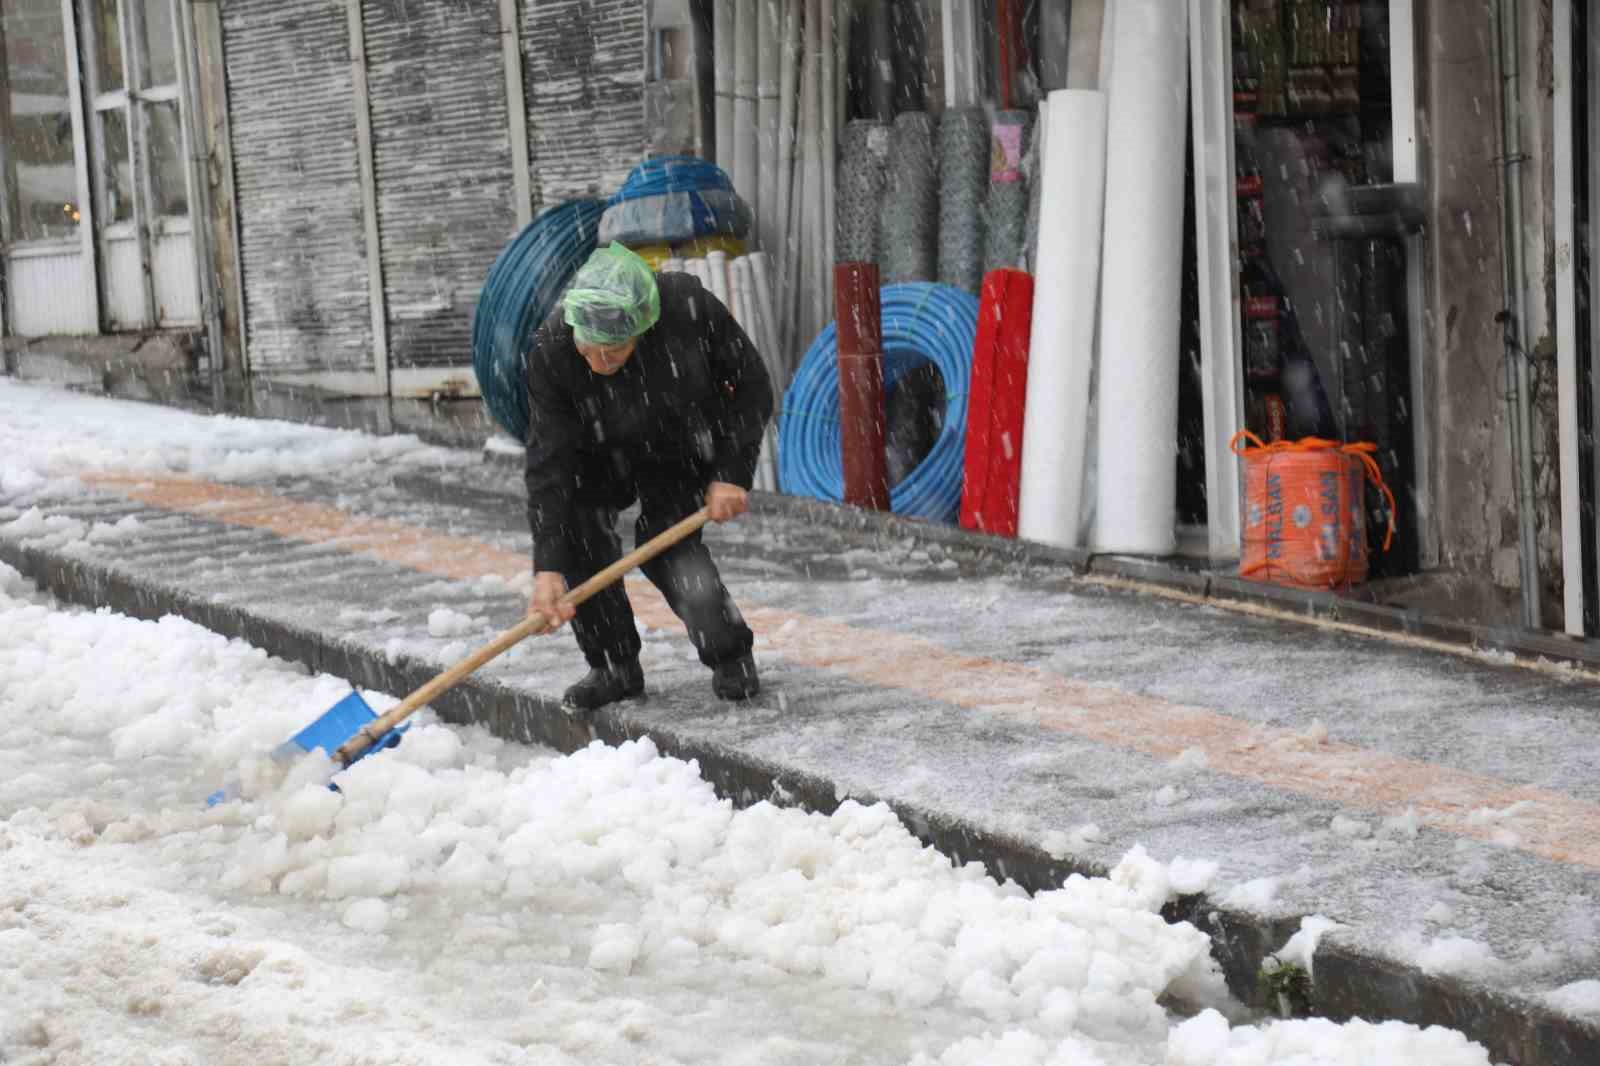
<point x="922" y="322"/>
<point x="671" y="173"/>
<point x="523" y="285"/>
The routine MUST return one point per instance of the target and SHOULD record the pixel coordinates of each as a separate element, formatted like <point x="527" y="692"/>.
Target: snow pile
<point x="443" y="622"/>
<point x="1458" y="956"/>
<point x="853" y="897"/>
<point x="1579" y="997"/>
<point x="1206" y="1040"/>
<point x="48" y="433"/>
<point x="460" y="899"/>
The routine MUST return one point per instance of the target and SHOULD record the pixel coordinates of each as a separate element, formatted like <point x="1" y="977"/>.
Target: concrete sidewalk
<point x="1441" y="805"/>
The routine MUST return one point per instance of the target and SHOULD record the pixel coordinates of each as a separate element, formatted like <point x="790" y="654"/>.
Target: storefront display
<point x="1321" y="271"/>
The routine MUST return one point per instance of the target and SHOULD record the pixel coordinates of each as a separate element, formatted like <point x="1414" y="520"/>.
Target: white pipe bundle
<point x="828" y="83"/>
<point x="747" y="304"/>
<point x="761" y="270"/>
<point x="784" y="72"/>
<point x="746" y="169"/>
<point x="722" y="53"/>
<point x="1061" y="343"/>
<point x="768" y="75"/>
<point x="797" y="277"/>
<point x="1135" y="501"/>
<point x="740" y="303"/>
<point x="717" y="270"/>
<point x="739" y="298"/>
<point x="811" y="311"/>
<point x="788" y="109"/>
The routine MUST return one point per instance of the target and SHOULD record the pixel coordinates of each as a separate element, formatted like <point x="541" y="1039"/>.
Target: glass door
<point x="1323" y="239"/>
<point x="140" y="178"/>
<point x="44" y="223"/>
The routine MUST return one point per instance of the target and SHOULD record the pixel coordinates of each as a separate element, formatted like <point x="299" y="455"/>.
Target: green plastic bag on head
<point x="612" y="298"/>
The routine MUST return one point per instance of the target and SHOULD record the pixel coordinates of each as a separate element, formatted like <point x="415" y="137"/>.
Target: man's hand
<point x="726" y="501"/>
<point x="548" y="588"/>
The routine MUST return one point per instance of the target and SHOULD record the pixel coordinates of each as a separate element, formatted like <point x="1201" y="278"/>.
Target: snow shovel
<point x="350" y="730"/>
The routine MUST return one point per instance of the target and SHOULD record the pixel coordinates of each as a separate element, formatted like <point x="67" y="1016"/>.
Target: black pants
<point x="685" y="573"/>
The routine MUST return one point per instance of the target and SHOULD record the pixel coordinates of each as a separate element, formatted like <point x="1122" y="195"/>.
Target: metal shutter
<point x="302" y="245"/>
<point x="585" y="64"/>
<point x="442" y="153"/>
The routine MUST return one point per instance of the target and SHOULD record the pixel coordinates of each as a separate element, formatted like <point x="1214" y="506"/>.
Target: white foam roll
<point x="717" y="280"/>
<point x="742" y="276"/>
<point x="1135" y="506"/>
<point x="742" y="306"/>
<point x="1061" y="339"/>
<point x="670" y="266"/>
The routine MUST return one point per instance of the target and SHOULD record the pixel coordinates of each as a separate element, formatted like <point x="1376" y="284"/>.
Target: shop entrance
<point x="1323" y="235"/>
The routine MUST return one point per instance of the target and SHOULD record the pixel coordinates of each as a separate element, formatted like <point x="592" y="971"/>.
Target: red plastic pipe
<point x="861" y="418"/>
<point x="992" y="464"/>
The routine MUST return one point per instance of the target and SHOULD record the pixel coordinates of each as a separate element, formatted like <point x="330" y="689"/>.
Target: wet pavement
<point x="1440" y="805"/>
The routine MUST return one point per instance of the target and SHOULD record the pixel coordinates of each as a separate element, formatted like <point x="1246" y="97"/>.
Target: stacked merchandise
<point x="1260" y="68"/>
<point x="1324" y="56"/>
<point x="928" y="197"/>
<point x="780" y="100"/>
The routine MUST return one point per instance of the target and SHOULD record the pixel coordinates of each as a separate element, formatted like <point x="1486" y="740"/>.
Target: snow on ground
<point x="47" y="433"/>
<point x="462" y="900"/>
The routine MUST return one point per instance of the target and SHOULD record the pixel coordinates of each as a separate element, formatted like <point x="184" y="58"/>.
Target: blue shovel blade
<point x="329" y="732"/>
<point x="338" y="724"/>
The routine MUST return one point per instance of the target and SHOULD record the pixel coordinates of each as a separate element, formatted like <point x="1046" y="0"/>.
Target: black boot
<point x="736" y="680"/>
<point x="603" y="685"/>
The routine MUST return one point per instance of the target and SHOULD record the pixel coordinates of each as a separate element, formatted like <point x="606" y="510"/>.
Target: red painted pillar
<point x="861" y="419"/>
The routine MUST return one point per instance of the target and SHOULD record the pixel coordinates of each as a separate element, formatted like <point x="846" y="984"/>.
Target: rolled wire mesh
<point x="964" y="147"/>
<point x="863" y="161"/>
<point x="1006" y="214"/>
<point x="909" y="220"/>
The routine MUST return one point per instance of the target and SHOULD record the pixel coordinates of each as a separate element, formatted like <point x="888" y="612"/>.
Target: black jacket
<point x="692" y="402"/>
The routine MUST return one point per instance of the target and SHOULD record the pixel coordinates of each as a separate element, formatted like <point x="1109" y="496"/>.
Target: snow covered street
<point x="465" y="900"/>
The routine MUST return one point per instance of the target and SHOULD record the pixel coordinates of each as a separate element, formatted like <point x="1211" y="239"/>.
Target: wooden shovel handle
<point x="531" y="626"/>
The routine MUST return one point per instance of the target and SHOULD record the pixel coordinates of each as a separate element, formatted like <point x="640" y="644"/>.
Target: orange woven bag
<point x="1304" y="518"/>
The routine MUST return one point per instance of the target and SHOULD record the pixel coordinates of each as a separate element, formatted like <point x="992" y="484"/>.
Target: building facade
<point x="1391" y="196"/>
